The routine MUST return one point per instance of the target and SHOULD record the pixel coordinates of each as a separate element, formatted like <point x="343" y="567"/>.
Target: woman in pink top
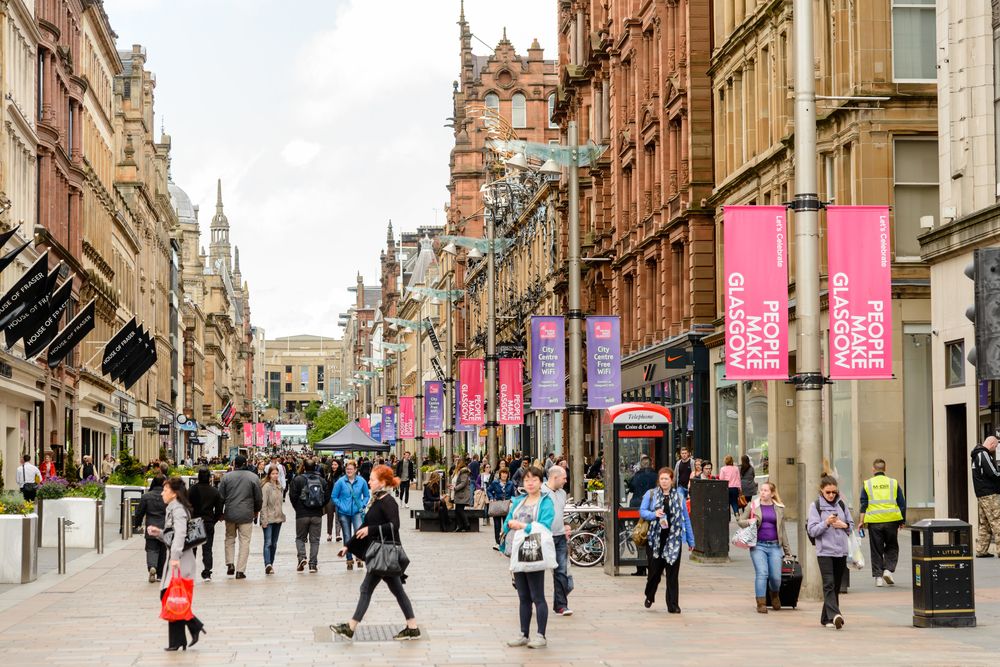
<point x="731" y="474"/>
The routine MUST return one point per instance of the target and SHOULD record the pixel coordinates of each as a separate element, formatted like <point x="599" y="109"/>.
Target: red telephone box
<point x="632" y="430"/>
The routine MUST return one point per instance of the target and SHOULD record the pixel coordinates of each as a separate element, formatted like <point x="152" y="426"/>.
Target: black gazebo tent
<point x="350" y="439"/>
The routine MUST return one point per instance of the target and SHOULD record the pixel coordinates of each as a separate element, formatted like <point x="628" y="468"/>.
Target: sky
<point x="323" y="123"/>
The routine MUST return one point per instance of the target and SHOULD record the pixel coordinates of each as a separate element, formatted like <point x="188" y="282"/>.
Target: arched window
<point x="518" y="111"/>
<point x="493" y="102"/>
<point x="552" y="110"/>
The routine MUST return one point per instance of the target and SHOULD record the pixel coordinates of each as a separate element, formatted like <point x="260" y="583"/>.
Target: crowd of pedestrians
<point x="355" y="500"/>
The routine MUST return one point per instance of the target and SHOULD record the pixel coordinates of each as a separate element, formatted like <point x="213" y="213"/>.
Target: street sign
<point x="164" y="429"/>
<point x="150" y="422"/>
<point x="510" y="350"/>
<point x="437" y="369"/>
<point x="127" y="428"/>
<point x="194" y="441"/>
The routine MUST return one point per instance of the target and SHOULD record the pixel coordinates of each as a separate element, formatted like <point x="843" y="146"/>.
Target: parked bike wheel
<point x="586" y="549"/>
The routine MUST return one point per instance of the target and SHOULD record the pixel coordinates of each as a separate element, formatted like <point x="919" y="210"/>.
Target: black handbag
<point x="196" y="534"/>
<point x="386" y="559"/>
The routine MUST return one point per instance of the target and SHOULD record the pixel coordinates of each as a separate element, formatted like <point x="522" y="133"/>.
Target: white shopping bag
<point x="855" y="556"/>
<point x="534" y="552"/>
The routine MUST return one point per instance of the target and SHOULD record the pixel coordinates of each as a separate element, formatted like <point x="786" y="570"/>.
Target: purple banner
<point x="389" y="423"/>
<point x="548" y="363"/>
<point x="376" y="433"/>
<point x="433" y="407"/>
<point x="604" y="362"/>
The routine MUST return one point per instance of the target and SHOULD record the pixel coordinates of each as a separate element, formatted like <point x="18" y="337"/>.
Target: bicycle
<point x="586" y="546"/>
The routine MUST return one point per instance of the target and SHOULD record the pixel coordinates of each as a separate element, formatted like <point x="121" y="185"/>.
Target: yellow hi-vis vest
<point x="882" y="505"/>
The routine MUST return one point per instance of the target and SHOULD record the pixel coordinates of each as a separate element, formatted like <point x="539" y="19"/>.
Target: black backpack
<point x="312" y="495"/>
<point x="840" y="501"/>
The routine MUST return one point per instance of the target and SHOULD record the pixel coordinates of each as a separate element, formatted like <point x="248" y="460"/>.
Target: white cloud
<point x="299" y="153"/>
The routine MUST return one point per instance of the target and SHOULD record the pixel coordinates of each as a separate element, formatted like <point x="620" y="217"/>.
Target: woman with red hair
<point x="381" y="523"/>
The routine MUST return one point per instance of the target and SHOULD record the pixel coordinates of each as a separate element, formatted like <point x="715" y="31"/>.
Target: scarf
<point x="671" y="504"/>
<point x="378" y="495"/>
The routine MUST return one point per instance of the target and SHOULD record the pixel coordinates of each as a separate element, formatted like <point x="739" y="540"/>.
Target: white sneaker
<point x="538" y="642"/>
<point x="520" y="641"/>
<point x="887" y="576"/>
<point x="879" y="582"/>
<point x="831" y="626"/>
<point x="567" y="612"/>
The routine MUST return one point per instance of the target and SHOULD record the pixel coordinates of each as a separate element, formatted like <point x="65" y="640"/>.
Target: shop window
<point x="918" y="437"/>
<point x="843" y="436"/>
<point x="727" y="416"/>
<point x="756" y="425"/>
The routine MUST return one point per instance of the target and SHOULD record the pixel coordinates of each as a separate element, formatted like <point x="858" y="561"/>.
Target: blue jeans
<point x="349" y="524"/>
<point x="560" y="580"/>
<point x="271" y="533"/>
<point x="766" y="557"/>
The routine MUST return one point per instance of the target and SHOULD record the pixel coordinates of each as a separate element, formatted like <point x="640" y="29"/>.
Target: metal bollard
<point x="99" y="528"/>
<point x="61" y="544"/>
<point x="126" y="520"/>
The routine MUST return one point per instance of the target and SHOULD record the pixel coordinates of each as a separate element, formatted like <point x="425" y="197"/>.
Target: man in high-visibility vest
<point x="883" y="508"/>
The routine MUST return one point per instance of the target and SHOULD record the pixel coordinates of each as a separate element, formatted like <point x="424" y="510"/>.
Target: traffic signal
<point x="985" y="314"/>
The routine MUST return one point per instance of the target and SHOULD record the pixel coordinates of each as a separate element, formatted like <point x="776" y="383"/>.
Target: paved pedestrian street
<point x="106" y="614"/>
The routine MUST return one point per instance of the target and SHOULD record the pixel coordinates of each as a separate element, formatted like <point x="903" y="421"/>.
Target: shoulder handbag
<point x="498" y="508"/>
<point x="386" y="559"/>
<point x="28" y="486"/>
<point x="746" y="538"/>
<point x="640" y="532"/>
<point x="196" y="534"/>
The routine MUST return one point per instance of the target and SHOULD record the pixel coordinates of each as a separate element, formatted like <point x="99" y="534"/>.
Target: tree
<point x="70" y="472"/>
<point x="312" y="411"/>
<point x="326" y="423"/>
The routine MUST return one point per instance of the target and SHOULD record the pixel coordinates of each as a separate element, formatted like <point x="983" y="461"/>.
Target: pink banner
<point x="470" y="392"/>
<point x="247" y="434"/>
<point x="860" y="288"/>
<point x="366" y="425"/>
<point x="755" y="263"/>
<point x="261" y="438"/>
<point x="510" y="397"/>
<point x="407" y="424"/>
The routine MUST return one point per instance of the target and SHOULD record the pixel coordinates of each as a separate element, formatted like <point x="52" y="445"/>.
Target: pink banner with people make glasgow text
<point x="860" y="289"/>
<point x="755" y="268"/>
<point x="510" y="397"/>
<point x="407" y="423"/>
<point x="470" y="392"/>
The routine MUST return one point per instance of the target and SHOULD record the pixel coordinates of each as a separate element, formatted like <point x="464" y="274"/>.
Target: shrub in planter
<point x="88" y="489"/>
<point x="129" y="471"/>
<point x="52" y="488"/>
<point x="12" y="502"/>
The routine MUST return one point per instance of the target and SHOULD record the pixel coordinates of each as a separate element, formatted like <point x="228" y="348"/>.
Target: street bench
<point x="427" y="520"/>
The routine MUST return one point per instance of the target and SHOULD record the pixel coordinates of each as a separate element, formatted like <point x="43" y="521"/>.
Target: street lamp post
<point x="492" y="448"/>
<point x="575" y="407"/>
<point x="808" y="378"/>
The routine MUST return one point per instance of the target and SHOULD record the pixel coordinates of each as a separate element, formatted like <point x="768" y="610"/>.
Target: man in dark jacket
<point x="986" y="484"/>
<point x="152" y="509"/>
<point x="207" y="505"/>
<point x="641" y="482"/>
<point x="242" y="500"/>
<point x="405" y="471"/>
<point x="365" y="468"/>
<point x="309" y="493"/>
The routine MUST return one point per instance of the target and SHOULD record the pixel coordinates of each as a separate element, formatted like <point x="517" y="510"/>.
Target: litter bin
<point x="943" y="592"/>
<point x="710" y="513"/>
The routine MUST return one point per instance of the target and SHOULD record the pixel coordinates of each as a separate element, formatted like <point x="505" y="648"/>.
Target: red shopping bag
<point x="178" y="598"/>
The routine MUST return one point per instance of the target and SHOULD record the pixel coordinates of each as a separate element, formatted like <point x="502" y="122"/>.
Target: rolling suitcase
<point x="791" y="583"/>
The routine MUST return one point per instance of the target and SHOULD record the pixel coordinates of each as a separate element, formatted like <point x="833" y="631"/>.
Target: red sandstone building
<point x="636" y="79"/>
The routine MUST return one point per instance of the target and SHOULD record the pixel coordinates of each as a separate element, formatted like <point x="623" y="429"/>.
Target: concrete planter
<point x="18" y="553"/>
<point x="113" y="500"/>
<point x="81" y="511"/>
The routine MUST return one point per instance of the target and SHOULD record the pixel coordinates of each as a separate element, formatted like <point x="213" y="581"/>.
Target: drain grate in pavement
<point x="366" y="632"/>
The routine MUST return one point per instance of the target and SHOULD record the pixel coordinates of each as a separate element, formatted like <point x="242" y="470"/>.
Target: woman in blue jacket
<point x="350" y="494"/>
<point x="525" y="511"/>
<point x="501" y="488"/>
<point x="669" y="525"/>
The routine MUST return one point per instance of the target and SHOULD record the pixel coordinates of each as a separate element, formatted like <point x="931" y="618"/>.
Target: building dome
<point x="181" y="203"/>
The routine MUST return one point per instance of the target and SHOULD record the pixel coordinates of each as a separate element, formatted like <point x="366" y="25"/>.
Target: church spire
<point x="219" y="246"/>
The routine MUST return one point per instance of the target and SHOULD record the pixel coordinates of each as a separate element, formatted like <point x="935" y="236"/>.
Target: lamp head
<point x="518" y="162"/>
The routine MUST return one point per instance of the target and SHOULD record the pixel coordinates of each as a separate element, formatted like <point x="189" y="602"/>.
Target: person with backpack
<point x="206" y="504"/>
<point x="309" y="493"/>
<point x="350" y="495"/>
<point x="829" y="527"/>
<point x="768" y="512"/>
